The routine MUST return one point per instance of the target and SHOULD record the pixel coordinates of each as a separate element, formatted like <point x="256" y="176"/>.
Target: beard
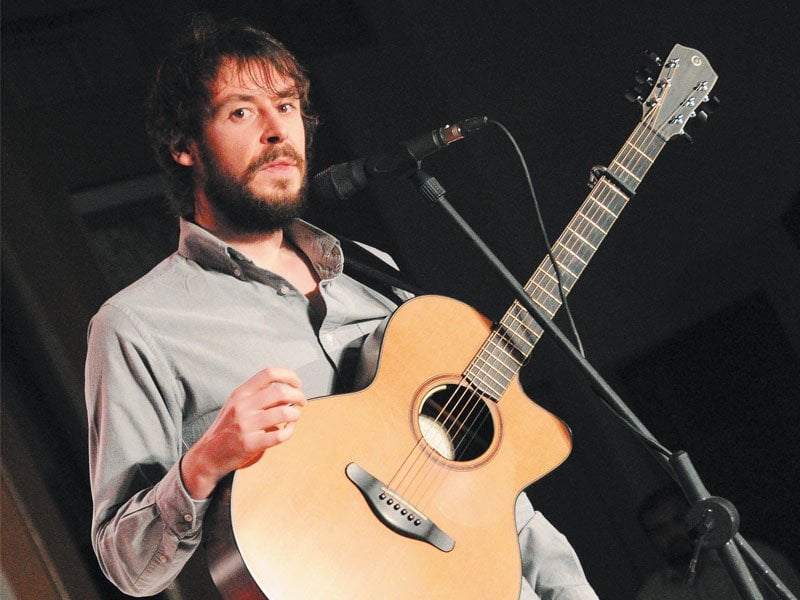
<point x="246" y="210"/>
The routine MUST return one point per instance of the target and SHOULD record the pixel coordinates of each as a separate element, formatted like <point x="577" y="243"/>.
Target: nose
<point x="274" y="129"/>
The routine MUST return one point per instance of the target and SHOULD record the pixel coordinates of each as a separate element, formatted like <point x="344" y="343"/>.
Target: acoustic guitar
<point x="406" y="488"/>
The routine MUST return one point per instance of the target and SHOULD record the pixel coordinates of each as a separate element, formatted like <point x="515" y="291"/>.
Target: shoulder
<point x="147" y="293"/>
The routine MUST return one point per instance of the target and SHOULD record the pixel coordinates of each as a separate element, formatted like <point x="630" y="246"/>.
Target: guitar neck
<point x="515" y="336"/>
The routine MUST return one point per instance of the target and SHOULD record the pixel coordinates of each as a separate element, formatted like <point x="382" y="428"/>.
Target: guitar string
<point x="494" y="342"/>
<point x="481" y="374"/>
<point x="623" y="160"/>
<point x="499" y="348"/>
<point x="575" y="229"/>
<point x="564" y="244"/>
<point x="644" y="136"/>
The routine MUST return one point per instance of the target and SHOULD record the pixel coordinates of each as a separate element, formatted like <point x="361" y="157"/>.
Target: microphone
<point x="340" y="182"/>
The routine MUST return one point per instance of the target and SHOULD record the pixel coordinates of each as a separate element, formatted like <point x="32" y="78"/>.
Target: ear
<point x="183" y="153"/>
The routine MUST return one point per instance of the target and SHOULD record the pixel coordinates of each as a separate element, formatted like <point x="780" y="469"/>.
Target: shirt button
<point x="162" y="558"/>
<point x="283" y="290"/>
<point x="237" y="272"/>
<point x="188" y="518"/>
<point x="327" y="338"/>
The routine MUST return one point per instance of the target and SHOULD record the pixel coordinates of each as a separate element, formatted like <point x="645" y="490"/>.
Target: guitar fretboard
<point x="513" y="339"/>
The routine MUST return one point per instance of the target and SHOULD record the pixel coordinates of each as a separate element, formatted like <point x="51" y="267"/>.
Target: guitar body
<point x="303" y="529"/>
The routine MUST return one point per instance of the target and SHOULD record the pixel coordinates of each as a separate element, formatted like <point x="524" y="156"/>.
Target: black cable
<point x="636" y="427"/>
<point x="547" y="245"/>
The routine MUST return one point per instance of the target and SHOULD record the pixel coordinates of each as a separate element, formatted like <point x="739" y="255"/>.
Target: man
<point x="206" y="362"/>
<point x="662" y="516"/>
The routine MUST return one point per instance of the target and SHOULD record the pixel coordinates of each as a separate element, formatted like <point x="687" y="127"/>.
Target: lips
<point x="278" y="160"/>
<point x="280" y="164"/>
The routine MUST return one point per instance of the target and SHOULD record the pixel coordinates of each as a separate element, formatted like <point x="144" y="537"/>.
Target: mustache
<point x="272" y="154"/>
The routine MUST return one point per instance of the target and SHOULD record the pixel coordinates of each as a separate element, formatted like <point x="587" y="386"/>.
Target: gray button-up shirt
<point x="165" y="353"/>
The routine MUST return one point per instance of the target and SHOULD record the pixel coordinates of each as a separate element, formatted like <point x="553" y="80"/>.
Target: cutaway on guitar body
<point x="459" y="457"/>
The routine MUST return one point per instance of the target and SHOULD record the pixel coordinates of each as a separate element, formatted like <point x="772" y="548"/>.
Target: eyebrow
<point x="287" y="93"/>
<point x="235" y="98"/>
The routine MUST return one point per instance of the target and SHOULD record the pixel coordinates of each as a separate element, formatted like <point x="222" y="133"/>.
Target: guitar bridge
<point x="394" y="512"/>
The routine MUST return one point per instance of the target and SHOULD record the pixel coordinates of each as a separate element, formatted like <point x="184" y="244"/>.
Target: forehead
<point x="252" y="77"/>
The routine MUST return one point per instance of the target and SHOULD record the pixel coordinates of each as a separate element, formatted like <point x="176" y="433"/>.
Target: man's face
<point x="665" y="527"/>
<point x="252" y="169"/>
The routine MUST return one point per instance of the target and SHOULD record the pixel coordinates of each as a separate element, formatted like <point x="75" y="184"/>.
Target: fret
<point x="578" y="227"/>
<point x="485" y="387"/>
<point x="519" y="340"/>
<point x="517" y="333"/>
<point x="520" y="317"/>
<point x="511" y="341"/>
<point x="549" y="303"/>
<point x="546" y="269"/>
<point x="583" y="261"/>
<point x="612" y="199"/>
<point x="546" y="272"/>
<point x="484" y="366"/>
<point x="637" y="163"/>
<point x="592" y="224"/>
<point x="540" y="287"/>
<point x="565" y="266"/>
<point x="625" y="177"/>
<point x="517" y="347"/>
<point x="628" y="171"/>
<point x="614" y="203"/>
<point x="547" y="299"/>
<point x="577" y="246"/>
<point x="654" y="145"/>
<point x="643" y="154"/>
<point x="479" y="368"/>
<point x="606" y="202"/>
<point x="586" y="230"/>
<point x="508" y="345"/>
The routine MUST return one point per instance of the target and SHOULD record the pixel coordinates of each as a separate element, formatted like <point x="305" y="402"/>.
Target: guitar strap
<point x="363" y="266"/>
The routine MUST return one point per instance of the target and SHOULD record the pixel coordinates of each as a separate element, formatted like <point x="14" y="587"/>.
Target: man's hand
<point x="258" y="414"/>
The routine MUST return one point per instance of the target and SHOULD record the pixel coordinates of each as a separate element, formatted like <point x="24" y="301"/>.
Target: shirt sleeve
<point x="550" y="568"/>
<point x="145" y="526"/>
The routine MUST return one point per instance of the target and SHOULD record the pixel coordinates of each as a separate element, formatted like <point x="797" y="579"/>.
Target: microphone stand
<point x="715" y="519"/>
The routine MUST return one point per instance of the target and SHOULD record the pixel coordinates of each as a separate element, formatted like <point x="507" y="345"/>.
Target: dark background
<point x="690" y="309"/>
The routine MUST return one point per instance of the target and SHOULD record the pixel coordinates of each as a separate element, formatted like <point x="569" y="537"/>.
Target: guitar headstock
<point x="682" y="86"/>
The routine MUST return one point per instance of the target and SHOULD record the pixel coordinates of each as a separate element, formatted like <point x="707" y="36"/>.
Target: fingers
<point x="267" y="377"/>
<point x="275" y="436"/>
<point x="276" y="417"/>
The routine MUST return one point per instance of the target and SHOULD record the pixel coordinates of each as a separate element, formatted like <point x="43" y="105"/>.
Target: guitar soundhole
<point x="456" y="422"/>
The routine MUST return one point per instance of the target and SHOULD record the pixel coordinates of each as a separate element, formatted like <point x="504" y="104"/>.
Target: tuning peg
<point x="697" y="121"/>
<point x="652" y="56"/>
<point x="700" y="118"/>
<point x="711" y="104"/>
<point x="645" y="76"/>
<point x="635" y="95"/>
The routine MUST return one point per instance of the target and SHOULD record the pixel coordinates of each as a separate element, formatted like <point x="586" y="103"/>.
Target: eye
<point x="240" y="113"/>
<point x="286" y="107"/>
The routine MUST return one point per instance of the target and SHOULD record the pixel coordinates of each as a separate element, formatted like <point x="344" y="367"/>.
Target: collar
<point x="199" y="245"/>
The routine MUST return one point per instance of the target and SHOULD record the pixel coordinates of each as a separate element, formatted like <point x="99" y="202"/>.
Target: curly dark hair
<point x="180" y="97"/>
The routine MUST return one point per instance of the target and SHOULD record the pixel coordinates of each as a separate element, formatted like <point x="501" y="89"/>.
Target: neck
<point x="270" y="250"/>
<point x="264" y="248"/>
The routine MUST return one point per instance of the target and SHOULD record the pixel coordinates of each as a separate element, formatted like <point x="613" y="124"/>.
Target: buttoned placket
<point x="325" y="336"/>
<point x="333" y="319"/>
